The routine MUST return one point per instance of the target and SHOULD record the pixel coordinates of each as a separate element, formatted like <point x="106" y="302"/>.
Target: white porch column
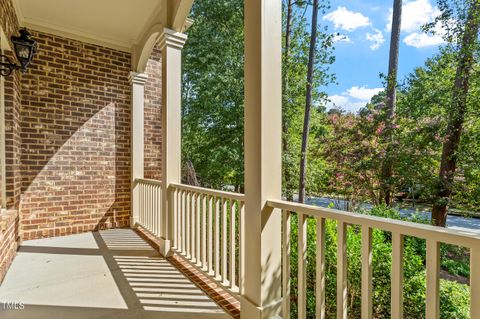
<point x="261" y="232"/>
<point x="171" y="44"/>
<point x="138" y="81"/>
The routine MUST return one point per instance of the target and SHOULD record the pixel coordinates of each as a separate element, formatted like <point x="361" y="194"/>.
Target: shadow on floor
<point x="105" y="274"/>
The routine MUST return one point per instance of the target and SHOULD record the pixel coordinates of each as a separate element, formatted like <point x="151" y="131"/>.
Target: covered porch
<point x="105" y="274"/>
<point x="80" y="120"/>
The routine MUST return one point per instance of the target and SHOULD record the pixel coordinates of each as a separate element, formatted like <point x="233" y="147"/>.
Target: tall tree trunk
<point x="308" y="104"/>
<point x="456" y="115"/>
<point x="387" y="165"/>
<point x="190" y="174"/>
<point x="286" y="169"/>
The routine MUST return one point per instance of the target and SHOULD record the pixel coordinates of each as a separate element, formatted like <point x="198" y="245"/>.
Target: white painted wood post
<point x="397" y="276"/>
<point x="137" y="81"/>
<point x="171" y="44"/>
<point x="261" y="231"/>
<point x="302" y="266"/>
<point x="367" y="284"/>
<point x="342" y="292"/>
<point x="475" y="281"/>
<point x="433" y="279"/>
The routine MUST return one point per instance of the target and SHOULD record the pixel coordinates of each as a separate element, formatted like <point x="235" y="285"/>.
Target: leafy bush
<point x="454" y="300"/>
<point x="454" y="296"/>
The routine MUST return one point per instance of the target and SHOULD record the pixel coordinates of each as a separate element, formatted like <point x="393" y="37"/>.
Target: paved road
<point x="455" y="222"/>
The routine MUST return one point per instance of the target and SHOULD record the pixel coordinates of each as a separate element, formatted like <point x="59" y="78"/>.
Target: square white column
<point x="171" y="44"/>
<point x="261" y="230"/>
<point x="137" y="81"/>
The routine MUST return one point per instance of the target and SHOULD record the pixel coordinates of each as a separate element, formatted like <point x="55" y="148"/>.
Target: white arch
<point x="144" y="49"/>
<point x="175" y="17"/>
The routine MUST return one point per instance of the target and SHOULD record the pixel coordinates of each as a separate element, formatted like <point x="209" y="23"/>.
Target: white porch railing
<point x="150" y="205"/>
<point x="434" y="237"/>
<point x="206" y="231"/>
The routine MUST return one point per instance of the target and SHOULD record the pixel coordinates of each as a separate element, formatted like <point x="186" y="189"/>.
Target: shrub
<point x="454" y="296"/>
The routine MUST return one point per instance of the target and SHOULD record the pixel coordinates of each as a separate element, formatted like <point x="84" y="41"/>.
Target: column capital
<point x="137" y="78"/>
<point x="172" y="39"/>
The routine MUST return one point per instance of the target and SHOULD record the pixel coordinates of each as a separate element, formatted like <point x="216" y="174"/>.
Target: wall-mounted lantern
<point x="25" y="48"/>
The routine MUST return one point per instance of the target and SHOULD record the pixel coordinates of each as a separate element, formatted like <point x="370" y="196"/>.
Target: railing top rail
<point x="148" y="181"/>
<point x="208" y="191"/>
<point x="439" y="234"/>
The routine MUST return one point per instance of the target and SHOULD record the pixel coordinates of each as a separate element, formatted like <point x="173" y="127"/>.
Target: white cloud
<point x="344" y="103"/>
<point x="423" y="40"/>
<point x="338" y="100"/>
<point x="341" y="38"/>
<point x="415" y="14"/>
<point x="353" y="99"/>
<point x="376" y="38"/>
<point x="363" y="93"/>
<point x="347" y="20"/>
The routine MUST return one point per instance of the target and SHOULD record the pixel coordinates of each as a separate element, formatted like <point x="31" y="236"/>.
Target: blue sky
<point x="362" y="50"/>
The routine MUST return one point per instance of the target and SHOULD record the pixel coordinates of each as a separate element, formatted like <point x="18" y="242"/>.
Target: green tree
<point x="213" y="99"/>
<point x="391" y="101"/>
<point x="467" y="46"/>
<point x="294" y="74"/>
<point x="288" y="18"/>
<point x="308" y="102"/>
<point x="316" y="57"/>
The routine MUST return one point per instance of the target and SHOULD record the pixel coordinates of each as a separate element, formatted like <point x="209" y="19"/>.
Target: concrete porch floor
<point x="106" y="274"/>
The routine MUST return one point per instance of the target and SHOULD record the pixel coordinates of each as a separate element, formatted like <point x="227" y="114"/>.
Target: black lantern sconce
<point x="25" y="48"/>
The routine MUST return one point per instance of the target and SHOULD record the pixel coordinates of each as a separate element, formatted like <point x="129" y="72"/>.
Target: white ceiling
<point x="118" y="24"/>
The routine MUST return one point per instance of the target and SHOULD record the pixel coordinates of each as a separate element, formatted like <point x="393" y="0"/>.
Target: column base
<point x="249" y="310"/>
<point x="165" y="247"/>
<point x="133" y="222"/>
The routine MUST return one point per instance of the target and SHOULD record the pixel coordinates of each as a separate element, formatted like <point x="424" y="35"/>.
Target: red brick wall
<point x="153" y="116"/>
<point x="9" y="227"/>
<point x="8" y="21"/>
<point x="75" y="132"/>
<point x="9" y="222"/>
<point x="13" y="140"/>
<point x="10" y="26"/>
<point x="68" y="139"/>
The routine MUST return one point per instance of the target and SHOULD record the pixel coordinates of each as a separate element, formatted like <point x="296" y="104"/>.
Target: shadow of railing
<point x="156" y="283"/>
<point x="149" y="285"/>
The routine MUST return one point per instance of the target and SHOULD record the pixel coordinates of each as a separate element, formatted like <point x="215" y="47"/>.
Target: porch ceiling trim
<point x="78" y="35"/>
<point x="125" y="44"/>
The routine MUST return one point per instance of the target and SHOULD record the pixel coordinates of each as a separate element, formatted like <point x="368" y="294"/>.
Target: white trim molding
<point x="77" y="35"/>
<point x="172" y="39"/>
<point x="137" y="78"/>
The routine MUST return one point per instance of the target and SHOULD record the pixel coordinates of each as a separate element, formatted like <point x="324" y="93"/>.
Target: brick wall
<point x="68" y="139"/>
<point x="9" y="222"/>
<point x="9" y="24"/>
<point x="9" y="235"/>
<point x="75" y="132"/>
<point x="153" y="116"/>
<point x="13" y="139"/>
<point x="8" y="21"/>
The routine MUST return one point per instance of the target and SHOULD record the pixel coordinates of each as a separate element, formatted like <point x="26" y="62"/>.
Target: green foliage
<point x="212" y="128"/>
<point x="294" y="73"/>
<point x="353" y="169"/>
<point x="345" y="150"/>
<point x="423" y="114"/>
<point x="454" y="296"/>
<point x="455" y="260"/>
<point x="454" y="300"/>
